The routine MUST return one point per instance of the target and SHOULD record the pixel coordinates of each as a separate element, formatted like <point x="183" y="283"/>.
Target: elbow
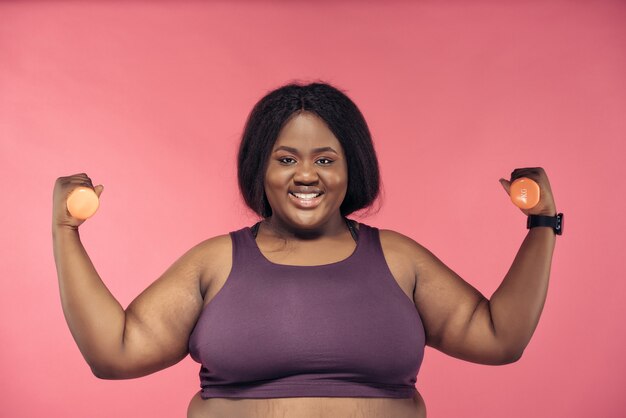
<point x="118" y="370"/>
<point x="511" y="356"/>
<point x="106" y="371"/>
<point x="103" y="373"/>
<point x="99" y="374"/>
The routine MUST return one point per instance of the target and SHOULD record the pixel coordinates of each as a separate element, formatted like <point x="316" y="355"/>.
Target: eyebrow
<point x="315" y="150"/>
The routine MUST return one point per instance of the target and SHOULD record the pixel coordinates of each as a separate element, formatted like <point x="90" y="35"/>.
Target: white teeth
<point x="306" y="195"/>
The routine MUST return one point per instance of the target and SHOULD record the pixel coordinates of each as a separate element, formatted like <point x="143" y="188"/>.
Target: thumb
<point x="98" y="189"/>
<point x="506" y="185"/>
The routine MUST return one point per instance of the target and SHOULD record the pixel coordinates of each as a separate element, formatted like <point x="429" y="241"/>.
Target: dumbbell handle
<point x="82" y="202"/>
<point x="524" y="193"/>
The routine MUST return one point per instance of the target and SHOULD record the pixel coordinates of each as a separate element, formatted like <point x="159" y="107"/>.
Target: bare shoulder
<point x="402" y="246"/>
<point x="215" y="245"/>
<point x="408" y="253"/>
<point x="401" y="254"/>
<point x="214" y="258"/>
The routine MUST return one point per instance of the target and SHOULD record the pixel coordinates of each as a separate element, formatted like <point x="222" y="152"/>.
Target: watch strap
<point x="554" y="222"/>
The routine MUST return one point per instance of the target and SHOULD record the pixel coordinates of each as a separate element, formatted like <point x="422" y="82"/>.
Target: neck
<point x="334" y="227"/>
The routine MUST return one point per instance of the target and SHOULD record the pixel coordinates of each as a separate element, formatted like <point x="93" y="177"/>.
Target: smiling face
<point x="307" y="175"/>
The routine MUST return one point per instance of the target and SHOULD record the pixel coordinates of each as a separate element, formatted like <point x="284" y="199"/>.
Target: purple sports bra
<point x="344" y="329"/>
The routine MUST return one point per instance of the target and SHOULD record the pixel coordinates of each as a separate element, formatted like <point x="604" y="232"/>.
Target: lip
<point x="306" y="203"/>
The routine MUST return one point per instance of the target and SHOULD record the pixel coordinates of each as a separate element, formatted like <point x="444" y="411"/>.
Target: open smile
<point x="306" y="200"/>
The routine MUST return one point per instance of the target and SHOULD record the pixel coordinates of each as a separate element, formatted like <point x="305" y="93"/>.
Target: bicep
<point x="160" y="320"/>
<point x="456" y="316"/>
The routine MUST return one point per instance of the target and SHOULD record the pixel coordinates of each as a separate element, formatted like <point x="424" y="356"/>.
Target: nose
<point x="306" y="173"/>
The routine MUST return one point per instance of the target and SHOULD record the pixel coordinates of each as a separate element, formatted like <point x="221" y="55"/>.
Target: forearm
<point x="517" y="304"/>
<point x="95" y="318"/>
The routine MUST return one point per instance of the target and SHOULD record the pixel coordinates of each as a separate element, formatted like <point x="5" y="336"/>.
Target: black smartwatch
<point x="554" y="222"/>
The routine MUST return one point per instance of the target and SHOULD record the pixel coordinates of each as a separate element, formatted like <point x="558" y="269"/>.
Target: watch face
<point x="559" y="224"/>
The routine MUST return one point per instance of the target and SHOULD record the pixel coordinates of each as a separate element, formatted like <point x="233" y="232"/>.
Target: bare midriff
<point x="308" y="407"/>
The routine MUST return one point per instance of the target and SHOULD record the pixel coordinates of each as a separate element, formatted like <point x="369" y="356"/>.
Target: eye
<point x="325" y="161"/>
<point x="286" y="160"/>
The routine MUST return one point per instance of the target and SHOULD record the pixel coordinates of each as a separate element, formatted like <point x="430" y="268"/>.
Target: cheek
<point x="274" y="181"/>
<point x="337" y="181"/>
<point x="340" y="177"/>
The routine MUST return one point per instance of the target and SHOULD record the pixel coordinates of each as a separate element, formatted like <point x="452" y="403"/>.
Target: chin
<point x="309" y="221"/>
<point x="306" y="223"/>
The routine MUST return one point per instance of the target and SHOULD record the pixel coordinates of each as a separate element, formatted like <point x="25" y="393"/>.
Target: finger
<point x="534" y="170"/>
<point x="506" y="185"/>
<point x="526" y="172"/>
<point x="520" y="172"/>
<point x="81" y="181"/>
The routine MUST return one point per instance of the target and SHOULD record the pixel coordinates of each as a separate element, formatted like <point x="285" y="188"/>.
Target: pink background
<point x="150" y="99"/>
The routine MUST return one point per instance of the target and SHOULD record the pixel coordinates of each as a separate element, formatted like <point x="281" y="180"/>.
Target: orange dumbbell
<point x="524" y="193"/>
<point x="82" y="202"/>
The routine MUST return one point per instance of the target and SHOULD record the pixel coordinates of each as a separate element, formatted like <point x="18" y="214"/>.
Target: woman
<point x="307" y="313"/>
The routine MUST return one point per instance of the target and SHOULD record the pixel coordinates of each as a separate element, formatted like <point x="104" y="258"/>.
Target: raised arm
<point x="518" y="302"/>
<point x="463" y="323"/>
<point x="152" y="333"/>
